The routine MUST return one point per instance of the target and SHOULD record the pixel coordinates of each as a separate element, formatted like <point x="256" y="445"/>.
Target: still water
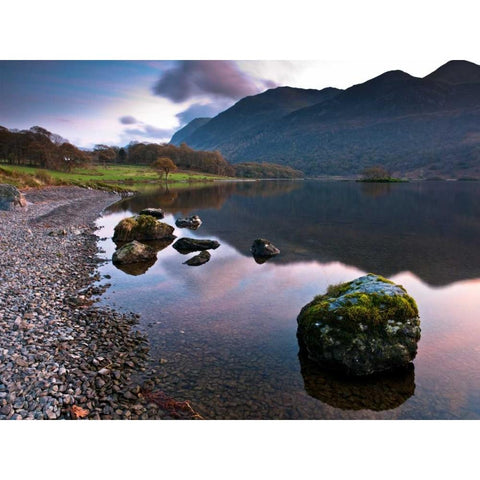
<point x="223" y="335"/>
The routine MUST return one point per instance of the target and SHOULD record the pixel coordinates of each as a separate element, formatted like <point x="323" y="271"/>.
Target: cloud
<point x="218" y="78"/>
<point x="198" y="110"/>
<point x="128" y="120"/>
<point x="149" y="131"/>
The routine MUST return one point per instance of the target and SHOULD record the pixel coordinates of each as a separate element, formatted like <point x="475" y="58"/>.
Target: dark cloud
<point x="198" y="110"/>
<point x="128" y="120"/>
<point x="149" y="131"/>
<point x="219" y="78"/>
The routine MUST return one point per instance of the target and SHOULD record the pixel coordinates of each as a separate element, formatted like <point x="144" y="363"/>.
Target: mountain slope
<point x="413" y="126"/>
<point x="249" y="115"/>
<point x="182" y="134"/>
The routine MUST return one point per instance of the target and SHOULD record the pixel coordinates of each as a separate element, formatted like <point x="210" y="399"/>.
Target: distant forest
<point x="37" y="147"/>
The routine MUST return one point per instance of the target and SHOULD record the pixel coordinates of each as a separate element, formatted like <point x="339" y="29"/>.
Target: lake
<point x="223" y="335"/>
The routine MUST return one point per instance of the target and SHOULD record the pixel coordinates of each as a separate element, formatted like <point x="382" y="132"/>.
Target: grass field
<point x="115" y="177"/>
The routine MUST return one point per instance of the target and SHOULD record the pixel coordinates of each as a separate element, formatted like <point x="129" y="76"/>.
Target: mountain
<point x="181" y="135"/>
<point x="228" y="130"/>
<point x="418" y="127"/>
<point x="456" y="72"/>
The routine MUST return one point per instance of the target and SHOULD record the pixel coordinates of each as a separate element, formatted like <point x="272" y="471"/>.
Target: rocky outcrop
<point x="11" y="197"/>
<point x="190" y="222"/>
<point x="199" y="259"/>
<point x="153" y="212"/>
<point x="187" y="245"/>
<point x="263" y="248"/>
<point x="361" y="327"/>
<point x="134" y="252"/>
<point x="142" y="227"/>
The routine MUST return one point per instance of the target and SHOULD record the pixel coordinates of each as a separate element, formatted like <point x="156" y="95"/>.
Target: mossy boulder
<point x="10" y="197"/>
<point x="134" y="252"/>
<point x="362" y="327"/>
<point x="142" y="227"/>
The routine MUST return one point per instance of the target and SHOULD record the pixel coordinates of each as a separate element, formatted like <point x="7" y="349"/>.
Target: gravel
<point x="59" y="350"/>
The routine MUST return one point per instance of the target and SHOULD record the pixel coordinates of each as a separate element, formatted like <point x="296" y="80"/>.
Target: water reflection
<point x="227" y="331"/>
<point x="377" y="393"/>
<point x="429" y="228"/>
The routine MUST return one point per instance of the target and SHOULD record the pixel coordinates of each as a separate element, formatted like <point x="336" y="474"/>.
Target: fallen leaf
<point x="78" y="412"/>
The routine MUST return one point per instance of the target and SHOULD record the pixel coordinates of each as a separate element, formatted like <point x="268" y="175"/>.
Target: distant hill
<point x="418" y="127"/>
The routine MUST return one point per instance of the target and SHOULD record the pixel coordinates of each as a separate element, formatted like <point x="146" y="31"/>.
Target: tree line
<point x="40" y="148"/>
<point x="37" y="147"/>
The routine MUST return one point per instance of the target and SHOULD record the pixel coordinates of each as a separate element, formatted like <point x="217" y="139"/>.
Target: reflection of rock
<point x="135" y="269"/>
<point x="10" y="197"/>
<point x="261" y="260"/>
<point x="133" y="252"/>
<point x="375" y="392"/>
<point x="187" y="245"/>
<point x="199" y="259"/>
<point x="142" y="227"/>
<point x="192" y="222"/>
<point x="153" y="212"/>
<point x="361" y="327"/>
<point x="263" y="248"/>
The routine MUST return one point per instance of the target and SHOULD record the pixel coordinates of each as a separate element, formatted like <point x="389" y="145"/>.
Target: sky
<point x="115" y="102"/>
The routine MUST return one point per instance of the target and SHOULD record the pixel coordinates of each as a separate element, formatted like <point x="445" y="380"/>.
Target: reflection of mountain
<point x="428" y="228"/>
<point x="374" y="393"/>
<point x="187" y="200"/>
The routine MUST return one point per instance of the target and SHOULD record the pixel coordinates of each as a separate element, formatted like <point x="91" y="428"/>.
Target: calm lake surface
<point x="223" y="335"/>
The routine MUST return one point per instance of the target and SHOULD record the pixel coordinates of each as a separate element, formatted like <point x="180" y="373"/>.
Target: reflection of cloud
<point x="128" y="120"/>
<point x="218" y="78"/>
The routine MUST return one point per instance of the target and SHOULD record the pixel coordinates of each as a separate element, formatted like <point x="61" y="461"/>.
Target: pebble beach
<point x="61" y="355"/>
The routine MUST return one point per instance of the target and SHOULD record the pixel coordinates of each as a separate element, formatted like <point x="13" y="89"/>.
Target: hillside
<point x="417" y="127"/>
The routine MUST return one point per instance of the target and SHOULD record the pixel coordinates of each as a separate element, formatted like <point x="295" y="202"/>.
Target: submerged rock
<point x="142" y="227"/>
<point x="361" y="327"/>
<point x="187" y="245"/>
<point x="199" y="259"/>
<point x="190" y="222"/>
<point x="153" y="212"/>
<point x="263" y="248"/>
<point x="134" y="252"/>
<point x="10" y="197"/>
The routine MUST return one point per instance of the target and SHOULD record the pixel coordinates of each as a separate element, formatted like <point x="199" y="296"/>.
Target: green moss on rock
<point x="361" y="327"/>
<point x="142" y="227"/>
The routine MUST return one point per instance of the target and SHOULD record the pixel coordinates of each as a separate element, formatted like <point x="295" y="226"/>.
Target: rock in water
<point x="263" y="248"/>
<point x="142" y="227"/>
<point x="153" y="212"/>
<point x="134" y="252"/>
<point x="361" y="327"/>
<point x="190" y="222"/>
<point x="199" y="259"/>
<point x="187" y="245"/>
<point x="10" y="197"/>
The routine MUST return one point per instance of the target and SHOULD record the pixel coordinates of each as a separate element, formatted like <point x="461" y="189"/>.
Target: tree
<point x="376" y="172"/>
<point x="105" y="154"/>
<point x="164" y="165"/>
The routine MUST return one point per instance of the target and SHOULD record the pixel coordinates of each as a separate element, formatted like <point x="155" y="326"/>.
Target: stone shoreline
<point x="59" y="350"/>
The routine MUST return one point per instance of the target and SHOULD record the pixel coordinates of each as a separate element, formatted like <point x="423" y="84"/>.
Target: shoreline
<point x="58" y="349"/>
